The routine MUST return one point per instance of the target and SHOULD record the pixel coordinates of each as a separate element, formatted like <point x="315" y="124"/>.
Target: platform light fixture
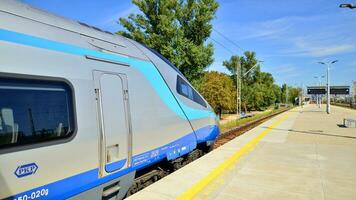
<point x="328" y="64"/>
<point x="347" y="5"/>
<point x="239" y="83"/>
<point x="319" y="97"/>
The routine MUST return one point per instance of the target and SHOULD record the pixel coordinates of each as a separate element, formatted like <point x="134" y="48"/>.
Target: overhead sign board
<point x="316" y="90"/>
<point x="335" y="90"/>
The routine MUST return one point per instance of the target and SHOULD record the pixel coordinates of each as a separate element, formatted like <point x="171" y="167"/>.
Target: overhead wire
<point x="228" y="39"/>
<point x="223" y="46"/>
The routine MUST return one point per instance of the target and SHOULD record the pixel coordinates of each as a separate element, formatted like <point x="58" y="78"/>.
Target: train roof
<point x="114" y="43"/>
<point x="86" y="36"/>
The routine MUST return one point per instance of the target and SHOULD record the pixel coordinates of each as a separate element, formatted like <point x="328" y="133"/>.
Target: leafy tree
<point x="218" y="89"/>
<point x="284" y="93"/>
<point x="258" y="90"/>
<point x="232" y="65"/>
<point x="178" y="29"/>
<point x="277" y="93"/>
<point x="292" y="93"/>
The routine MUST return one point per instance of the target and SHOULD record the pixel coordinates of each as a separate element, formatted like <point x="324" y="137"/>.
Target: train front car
<point x="196" y="109"/>
<point x="129" y="111"/>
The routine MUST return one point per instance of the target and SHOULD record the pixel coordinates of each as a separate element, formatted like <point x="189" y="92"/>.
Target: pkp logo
<point x="25" y="170"/>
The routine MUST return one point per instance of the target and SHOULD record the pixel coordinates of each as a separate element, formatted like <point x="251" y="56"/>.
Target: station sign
<point x="316" y="90"/>
<point x="334" y="90"/>
<point x="341" y="91"/>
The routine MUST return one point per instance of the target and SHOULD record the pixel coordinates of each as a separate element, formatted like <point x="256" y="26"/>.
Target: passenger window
<point x="33" y="111"/>
<point x="186" y="90"/>
<point x="183" y="88"/>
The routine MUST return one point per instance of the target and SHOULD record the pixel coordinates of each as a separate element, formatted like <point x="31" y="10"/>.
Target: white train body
<point x="82" y="110"/>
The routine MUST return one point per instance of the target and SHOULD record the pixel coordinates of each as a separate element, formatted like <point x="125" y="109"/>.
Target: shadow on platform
<point x="312" y="132"/>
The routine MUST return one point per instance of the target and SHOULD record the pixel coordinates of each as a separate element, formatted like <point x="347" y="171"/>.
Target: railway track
<point x="237" y="131"/>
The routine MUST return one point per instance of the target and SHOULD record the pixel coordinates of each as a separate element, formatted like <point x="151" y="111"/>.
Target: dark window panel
<point x="184" y="89"/>
<point x="33" y="111"/>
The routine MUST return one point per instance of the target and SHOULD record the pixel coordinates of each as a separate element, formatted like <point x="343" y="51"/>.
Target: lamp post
<point x="319" y="97"/>
<point x="239" y="83"/>
<point x="286" y="94"/>
<point x="328" y="64"/>
<point x="347" y="5"/>
<point x="353" y="98"/>
<point x="258" y="62"/>
<point x="238" y="66"/>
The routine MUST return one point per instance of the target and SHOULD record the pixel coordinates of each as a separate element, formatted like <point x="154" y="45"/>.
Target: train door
<point x="114" y="121"/>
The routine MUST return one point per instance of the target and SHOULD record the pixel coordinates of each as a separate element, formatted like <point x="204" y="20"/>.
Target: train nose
<point x="217" y="120"/>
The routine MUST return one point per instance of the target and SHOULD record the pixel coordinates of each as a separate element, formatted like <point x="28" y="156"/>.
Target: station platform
<point x="300" y="154"/>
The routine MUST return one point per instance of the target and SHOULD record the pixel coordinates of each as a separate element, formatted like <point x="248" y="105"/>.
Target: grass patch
<point x="235" y="123"/>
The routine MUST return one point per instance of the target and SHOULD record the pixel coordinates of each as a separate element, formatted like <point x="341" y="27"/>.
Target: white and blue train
<point x="87" y="114"/>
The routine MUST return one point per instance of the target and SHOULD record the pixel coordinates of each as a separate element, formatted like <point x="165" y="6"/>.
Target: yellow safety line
<point x="195" y="189"/>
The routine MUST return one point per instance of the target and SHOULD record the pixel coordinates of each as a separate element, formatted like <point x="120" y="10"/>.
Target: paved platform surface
<point x="301" y="154"/>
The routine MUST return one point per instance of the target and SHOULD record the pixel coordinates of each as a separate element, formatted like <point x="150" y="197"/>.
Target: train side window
<point x="184" y="89"/>
<point x="33" y="111"/>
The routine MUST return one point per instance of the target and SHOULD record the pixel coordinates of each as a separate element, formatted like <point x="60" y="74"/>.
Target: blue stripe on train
<point x="82" y="182"/>
<point x="111" y="167"/>
<point x="146" y="68"/>
<point x="207" y="133"/>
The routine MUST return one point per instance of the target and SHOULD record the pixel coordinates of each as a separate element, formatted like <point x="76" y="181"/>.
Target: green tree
<point x="277" y="93"/>
<point x="178" y="29"/>
<point x="293" y="93"/>
<point x="218" y="89"/>
<point x="284" y="93"/>
<point x="258" y="90"/>
<point x="232" y="65"/>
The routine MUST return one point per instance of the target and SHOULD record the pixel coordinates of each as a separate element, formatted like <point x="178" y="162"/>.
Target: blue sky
<point x="289" y="36"/>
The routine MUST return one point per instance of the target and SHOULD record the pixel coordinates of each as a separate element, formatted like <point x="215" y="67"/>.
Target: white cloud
<point x="331" y="50"/>
<point x="266" y="29"/>
<point x="285" y="70"/>
<point x="309" y="36"/>
<point x="308" y="48"/>
<point x="351" y="66"/>
<point x="125" y="13"/>
<point x="270" y="29"/>
<point x="114" y="16"/>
